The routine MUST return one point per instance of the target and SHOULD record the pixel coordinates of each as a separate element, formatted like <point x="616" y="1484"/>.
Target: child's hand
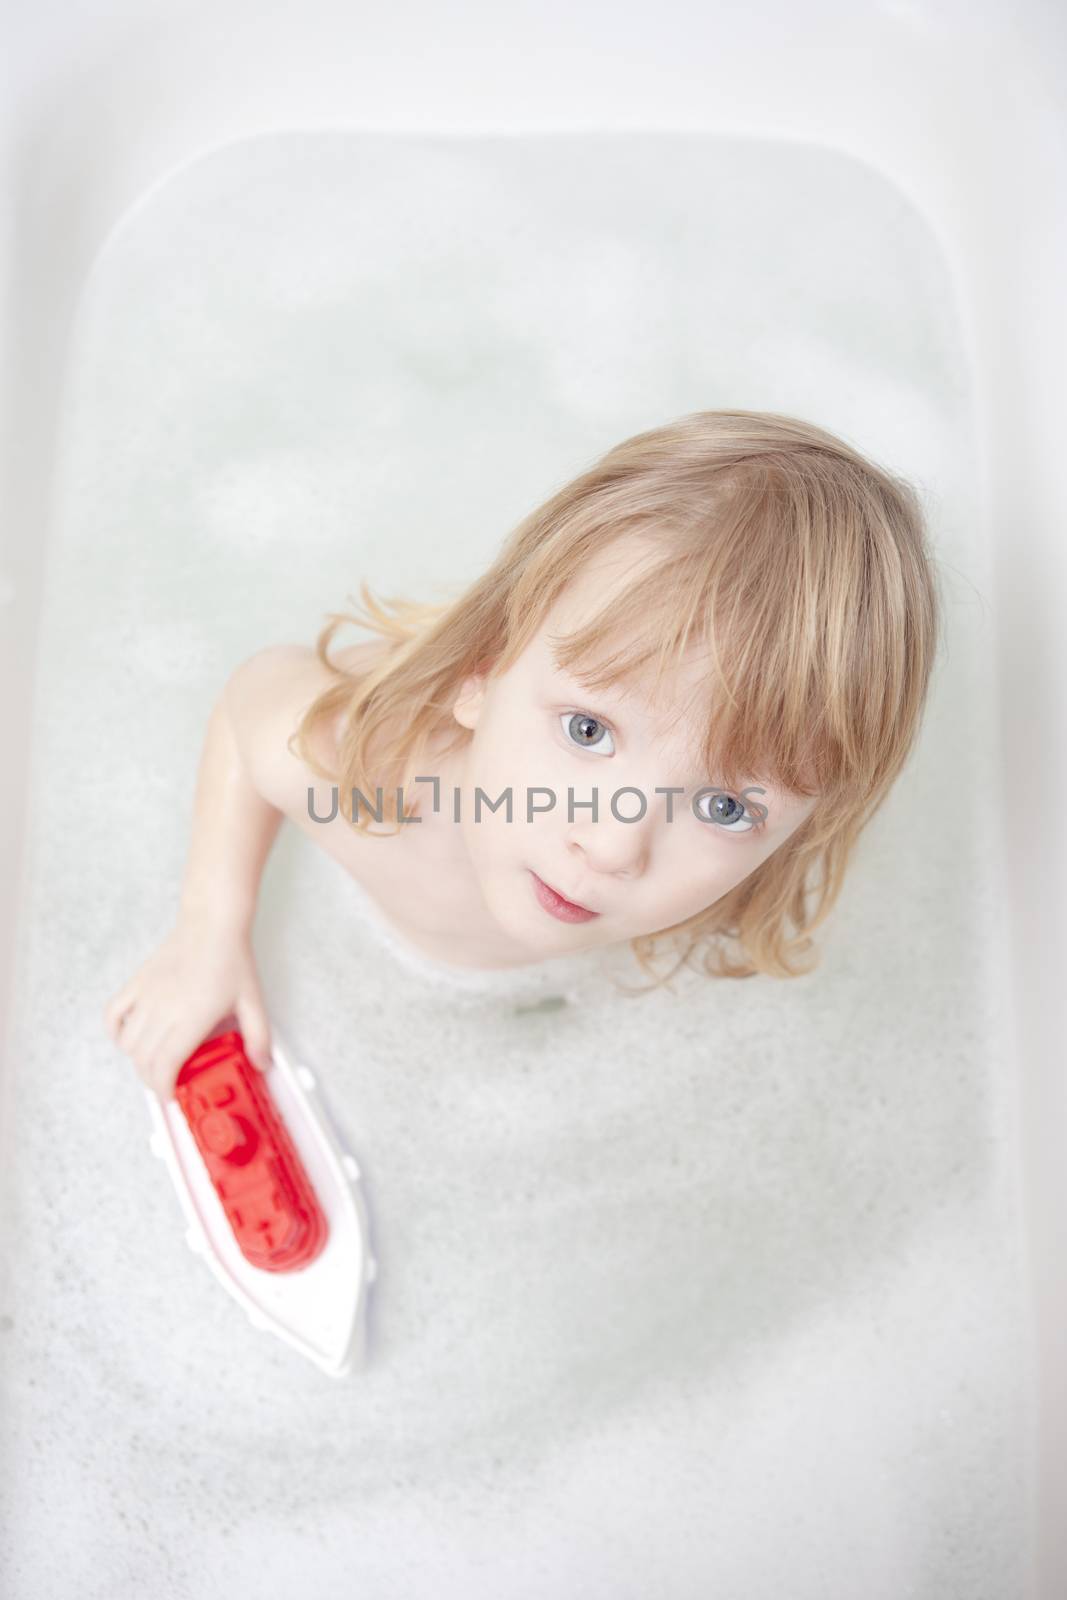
<point x="201" y="973"/>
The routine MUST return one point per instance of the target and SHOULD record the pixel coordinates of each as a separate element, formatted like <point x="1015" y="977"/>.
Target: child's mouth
<point x="555" y="904"/>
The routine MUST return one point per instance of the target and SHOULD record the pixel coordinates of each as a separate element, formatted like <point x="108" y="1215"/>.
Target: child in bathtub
<point x="662" y="717"/>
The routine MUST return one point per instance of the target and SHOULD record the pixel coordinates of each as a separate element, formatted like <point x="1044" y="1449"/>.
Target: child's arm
<point x="205" y="969"/>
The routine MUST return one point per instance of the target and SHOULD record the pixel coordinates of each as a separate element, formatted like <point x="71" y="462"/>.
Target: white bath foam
<point x="584" y="1215"/>
<point x="762" y="1479"/>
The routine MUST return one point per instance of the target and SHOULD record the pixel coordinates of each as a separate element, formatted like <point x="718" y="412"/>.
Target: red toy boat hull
<point x="253" y="1165"/>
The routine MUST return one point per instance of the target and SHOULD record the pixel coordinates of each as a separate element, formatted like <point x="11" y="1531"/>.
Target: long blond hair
<point x="803" y="566"/>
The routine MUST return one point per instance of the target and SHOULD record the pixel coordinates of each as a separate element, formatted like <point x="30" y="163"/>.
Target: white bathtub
<point x="955" y="107"/>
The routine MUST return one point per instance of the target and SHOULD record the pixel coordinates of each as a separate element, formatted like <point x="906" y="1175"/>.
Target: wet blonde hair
<point x="801" y="567"/>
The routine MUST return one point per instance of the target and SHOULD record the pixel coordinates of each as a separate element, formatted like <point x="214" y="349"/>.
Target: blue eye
<point x="727" y="811"/>
<point x="580" y="728"/>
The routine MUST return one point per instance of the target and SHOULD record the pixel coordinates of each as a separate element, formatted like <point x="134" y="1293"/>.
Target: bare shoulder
<point x="267" y="695"/>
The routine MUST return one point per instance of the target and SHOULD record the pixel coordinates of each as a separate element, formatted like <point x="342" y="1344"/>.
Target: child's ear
<point x="467" y="706"/>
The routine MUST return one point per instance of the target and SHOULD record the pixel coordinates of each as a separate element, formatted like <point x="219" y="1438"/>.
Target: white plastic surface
<point x="320" y="1309"/>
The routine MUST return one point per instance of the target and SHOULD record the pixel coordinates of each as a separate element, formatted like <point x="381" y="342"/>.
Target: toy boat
<point x="252" y="1163"/>
<point x="273" y="1200"/>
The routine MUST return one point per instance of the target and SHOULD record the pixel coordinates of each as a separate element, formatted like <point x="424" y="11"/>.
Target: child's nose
<point x="616" y="846"/>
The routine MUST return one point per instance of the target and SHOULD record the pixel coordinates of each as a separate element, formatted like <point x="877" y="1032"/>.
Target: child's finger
<point x="255" y="1029"/>
<point x="119" y="1004"/>
<point x="152" y="1046"/>
<point x="133" y="1029"/>
<point x="173" y="1055"/>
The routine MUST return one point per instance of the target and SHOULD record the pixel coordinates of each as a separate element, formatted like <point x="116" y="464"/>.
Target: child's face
<point x="641" y="876"/>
